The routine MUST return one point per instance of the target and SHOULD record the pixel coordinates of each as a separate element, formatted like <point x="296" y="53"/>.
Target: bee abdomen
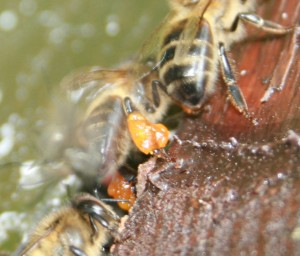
<point x="105" y="134"/>
<point x="188" y="62"/>
<point x="197" y="59"/>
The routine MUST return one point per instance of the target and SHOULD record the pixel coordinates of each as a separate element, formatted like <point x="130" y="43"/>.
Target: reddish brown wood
<point x="269" y="62"/>
<point x="233" y="187"/>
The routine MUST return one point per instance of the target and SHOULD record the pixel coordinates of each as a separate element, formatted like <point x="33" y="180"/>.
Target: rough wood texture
<point x="234" y="187"/>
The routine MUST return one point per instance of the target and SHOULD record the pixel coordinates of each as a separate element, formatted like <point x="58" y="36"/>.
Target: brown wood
<point x="233" y="187"/>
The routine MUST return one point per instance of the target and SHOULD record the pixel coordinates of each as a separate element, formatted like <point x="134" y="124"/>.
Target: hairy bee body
<point x="82" y="228"/>
<point x="189" y="49"/>
<point x="103" y="139"/>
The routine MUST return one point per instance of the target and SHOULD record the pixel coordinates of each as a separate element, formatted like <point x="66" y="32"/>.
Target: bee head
<point x="97" y="210"/>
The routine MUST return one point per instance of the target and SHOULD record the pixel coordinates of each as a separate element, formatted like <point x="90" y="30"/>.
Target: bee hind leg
<point x="260" y="23"/>
<point x="236" y="96"/>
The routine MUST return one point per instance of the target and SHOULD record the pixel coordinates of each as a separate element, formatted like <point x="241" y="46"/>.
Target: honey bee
<point x="114" y="100"/>
<point x="190" y="48"/>
<point x="180" y="63"/>
<point x="87" y="133"/>
<point x="82" y="228"/>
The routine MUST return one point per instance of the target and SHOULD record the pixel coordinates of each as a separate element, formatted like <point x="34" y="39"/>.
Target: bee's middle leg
<point x="236" y="96"/>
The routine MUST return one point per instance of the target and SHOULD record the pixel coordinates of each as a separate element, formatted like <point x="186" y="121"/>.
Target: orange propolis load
<point x="120" y="188"/>
<point x="147" y="136"/>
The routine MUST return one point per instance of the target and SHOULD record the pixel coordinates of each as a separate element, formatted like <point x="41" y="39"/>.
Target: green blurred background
<point x="41" y="42"/>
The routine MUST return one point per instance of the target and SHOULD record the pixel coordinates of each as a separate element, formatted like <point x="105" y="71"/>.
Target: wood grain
<point x="233" y="187"/>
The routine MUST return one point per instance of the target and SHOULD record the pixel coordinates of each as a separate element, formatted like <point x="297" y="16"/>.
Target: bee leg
<point x="93" y="225"/>
<point x="76" y="251"/>
<point x="235" y="95"/>
<point x="150" y="107"/>
<point x="128" y="106"/>
<point x="155" y="94"/>
<point x="101" y="218"/>
<point x="260" y="23"/>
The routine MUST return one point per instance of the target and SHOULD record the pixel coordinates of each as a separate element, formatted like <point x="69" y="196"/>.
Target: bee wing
<point x="190" y="30"/>
<point x="32" y="245"/>
<point x="34" y="175"/>
<point x="86" y="84"/>
<point x="147" y="57"/>
<point x="186" y="38"/>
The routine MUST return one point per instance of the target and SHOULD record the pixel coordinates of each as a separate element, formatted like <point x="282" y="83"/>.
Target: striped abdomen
<point x="188" y="64"/>
<point x="105" y="137"/>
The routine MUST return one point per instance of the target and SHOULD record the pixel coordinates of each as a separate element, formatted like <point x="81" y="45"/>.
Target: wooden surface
<point x="233" y="186"/>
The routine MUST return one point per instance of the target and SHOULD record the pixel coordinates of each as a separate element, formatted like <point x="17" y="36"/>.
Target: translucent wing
<point x="186" y="38"/>
<point x="33" y="244"/>
<point x="191" y="27"/>
<point x="150" y="56"/>
<point x="86" y="84"/>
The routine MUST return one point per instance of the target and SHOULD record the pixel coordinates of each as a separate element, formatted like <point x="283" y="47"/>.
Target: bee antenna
<point x="108" y="200"/>
<point x="96" y="192"/>
<point x="111" y="200"/>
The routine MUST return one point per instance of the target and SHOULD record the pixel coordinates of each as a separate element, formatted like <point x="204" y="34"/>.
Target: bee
<point x="191" y="45"/>
<point x="113" y="100"/>
<point x="179" y="63"/>
<point x="82" y="228"/>
<point x="87" y="132"/>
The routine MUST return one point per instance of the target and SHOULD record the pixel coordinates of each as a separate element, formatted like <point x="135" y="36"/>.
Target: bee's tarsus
<point x="257" y="21"/>
<point x="128" y="105"/>
<point x="161" y="153"/>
